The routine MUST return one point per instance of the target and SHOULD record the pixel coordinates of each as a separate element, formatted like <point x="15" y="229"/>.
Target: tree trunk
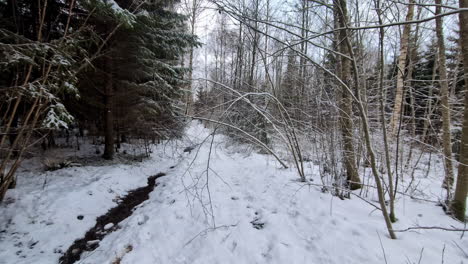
<point x="346" y="106"/>
<point x="239" y="60"/>
<point x="397" y="108"/>
<point x="412" y="58"/>
<point x="429" y="108"/>
<point x="461" y="189"/>
<point x="444" y="92"/>
<point x="392" y="216"/>
<point x="304" y="47"/>
<point x="364" y="119"/>
<point x="254" y="47"/>
<point x="108" y="112"/>
<point x="189" y="96"/>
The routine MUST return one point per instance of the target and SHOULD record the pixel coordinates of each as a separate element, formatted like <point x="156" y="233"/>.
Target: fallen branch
<point x="343" y="189"/>
<point x="453" y="229"/>
<point x="205" y="231"/>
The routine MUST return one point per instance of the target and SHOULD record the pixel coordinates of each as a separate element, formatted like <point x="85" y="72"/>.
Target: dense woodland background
<point x="350" y="84"/>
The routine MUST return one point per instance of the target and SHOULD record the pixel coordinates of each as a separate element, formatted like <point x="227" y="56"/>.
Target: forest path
<point x="240" y="207"/>
<point x="243" y="207"/>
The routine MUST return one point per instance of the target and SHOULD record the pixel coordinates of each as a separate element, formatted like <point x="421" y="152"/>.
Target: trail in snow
<point x="261" y="213"/>
<point x="264" y="215"/>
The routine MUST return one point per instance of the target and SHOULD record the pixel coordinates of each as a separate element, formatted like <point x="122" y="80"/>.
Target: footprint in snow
<point x="19" y="244"/>
<point x="293" y="213"/>
<point x="257" y="223"/>
<point x="355" y="232"/>
<point x="267" y="254"/>
<point x="234" y="246"/>
<point x="249" y="198"/>
<point x="32" y="243"/>
<point x="178" y="216"/>
<point x="142" y="219"/>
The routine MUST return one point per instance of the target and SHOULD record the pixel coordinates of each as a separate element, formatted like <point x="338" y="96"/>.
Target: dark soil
<point x="114" y="216"/>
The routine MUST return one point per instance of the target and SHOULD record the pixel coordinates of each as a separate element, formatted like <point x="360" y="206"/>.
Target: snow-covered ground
<point x="250" y="211"/>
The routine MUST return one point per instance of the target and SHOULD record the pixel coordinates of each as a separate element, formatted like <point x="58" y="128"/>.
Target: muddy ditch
<point x="108" y="223"/>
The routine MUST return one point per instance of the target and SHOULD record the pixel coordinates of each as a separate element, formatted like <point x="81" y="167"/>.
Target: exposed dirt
<point x="107" y="223"/>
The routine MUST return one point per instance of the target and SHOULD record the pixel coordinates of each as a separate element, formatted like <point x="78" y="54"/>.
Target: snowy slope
<point x="259" y="213"/>
<point x="39" y="219"/>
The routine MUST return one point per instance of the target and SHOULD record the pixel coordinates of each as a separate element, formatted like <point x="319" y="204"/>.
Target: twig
<point x="247" y="134"/>
<point x="421" y="255"/>
<point x="342" y="189"/>
<point x="208" y="230"/>
<point x="461" y="249"/>
<point x="443" y="253"/>
<point x="383" y="249"/>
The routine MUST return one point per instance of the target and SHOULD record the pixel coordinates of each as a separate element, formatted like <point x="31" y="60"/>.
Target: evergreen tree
<point x="41" y="56"/>
<point x="96" y="63"/>
<point x="138" y="78"/>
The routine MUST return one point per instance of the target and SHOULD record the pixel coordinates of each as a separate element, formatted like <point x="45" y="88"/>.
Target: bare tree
<point x="378" y="8"/>
<point x="444" y="93"/>
<point x="346" y="108"/>
<point x="194" y="10"/>
<point x="459" y="200"/>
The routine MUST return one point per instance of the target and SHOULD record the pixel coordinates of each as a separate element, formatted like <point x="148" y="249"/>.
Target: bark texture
<point x="459" y="200"/>
<point x="392" y="216"/>
<point x="401" y="70"/>
<point x="346" y="106"/>
<point x="444" y="92"/>
<point x="189" y="95"/>
<point x="108" y="113"/>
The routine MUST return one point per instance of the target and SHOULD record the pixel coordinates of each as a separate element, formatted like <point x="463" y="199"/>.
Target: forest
<point x="233" y="131"/>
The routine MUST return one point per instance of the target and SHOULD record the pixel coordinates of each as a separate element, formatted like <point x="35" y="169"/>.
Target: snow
<point x="57" y="117"/>
<point x="114" y="5"/>
<point x="108" y="226"/>
<point x="259" y="213"/>
<point x="124" y="14"/>
<point x="41" y="218"/>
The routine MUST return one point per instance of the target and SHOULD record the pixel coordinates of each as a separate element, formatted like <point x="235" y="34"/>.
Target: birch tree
<point x="401" y="66"/>
<point x="194" y="10"/>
